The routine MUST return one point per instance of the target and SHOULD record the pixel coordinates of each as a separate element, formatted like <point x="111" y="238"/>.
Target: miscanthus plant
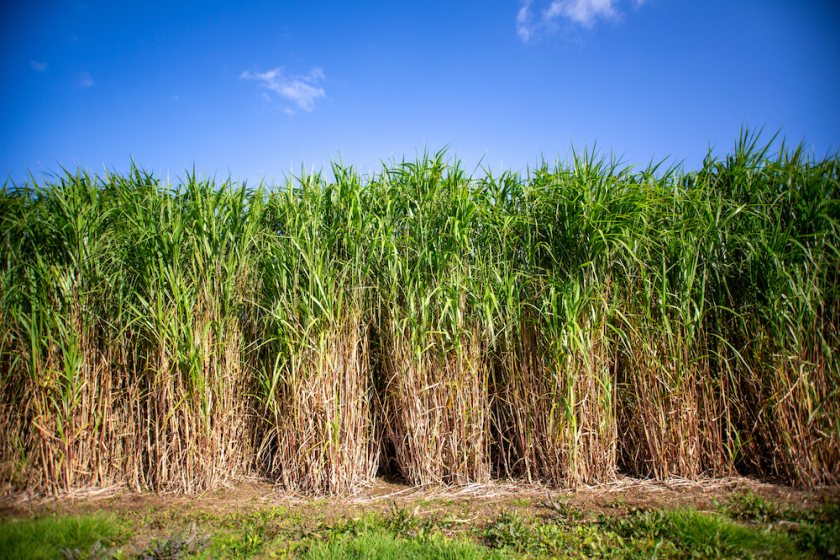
<point x="311" y="338"/>
<point x="565" y="325"/>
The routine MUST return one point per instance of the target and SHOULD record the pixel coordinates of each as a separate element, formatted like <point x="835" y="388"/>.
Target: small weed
<point x="508" y="532"/>
<point x="401" y="522"/>
<point x="617" y="503"/>
<point x="751" y="507"/>
<point x="178" y="545"/>
<point x="563" y="509"/>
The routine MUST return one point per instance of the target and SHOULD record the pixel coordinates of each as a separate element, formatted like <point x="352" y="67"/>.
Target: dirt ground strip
<point x="472" y="502"/>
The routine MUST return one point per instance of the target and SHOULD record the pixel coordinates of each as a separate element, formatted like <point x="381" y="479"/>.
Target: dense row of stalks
<point x="583" y="320"/>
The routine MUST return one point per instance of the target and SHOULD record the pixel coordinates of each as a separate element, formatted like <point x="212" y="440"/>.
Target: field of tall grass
<point x="583" y="320"/>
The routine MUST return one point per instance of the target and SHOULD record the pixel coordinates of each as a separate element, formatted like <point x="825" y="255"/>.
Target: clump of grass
<point x="311" y="339"/>
<point x="553" y="379"/>
<point x="434" y="403"/>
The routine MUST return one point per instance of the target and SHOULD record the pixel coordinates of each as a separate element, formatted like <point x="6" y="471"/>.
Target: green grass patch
<point x="58" y="537"/>
<point x="744" y="526"/>
<point x="384" y="545"/>
<point x="697" y="534"/>
<point x="680" y="533"/>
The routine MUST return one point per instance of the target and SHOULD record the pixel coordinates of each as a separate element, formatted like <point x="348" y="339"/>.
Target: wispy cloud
<point x="531" y="20"/>
<point x="582" y="12"/>
<point x="38" y="66"/>
<point x="301" y="90"/>
<point x="524" y="21"/>
<point x="84" y="80"/>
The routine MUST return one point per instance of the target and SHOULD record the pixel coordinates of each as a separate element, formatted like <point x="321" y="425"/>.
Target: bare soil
<point x="471" y="502"/>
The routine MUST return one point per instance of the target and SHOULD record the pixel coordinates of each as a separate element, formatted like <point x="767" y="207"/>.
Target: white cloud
<point x="84" y="80"/>
<point x="38" y="66"/>
<point x="583" y="13"/>
<point x="523" y="20"/>
<point x="301" y="90"/>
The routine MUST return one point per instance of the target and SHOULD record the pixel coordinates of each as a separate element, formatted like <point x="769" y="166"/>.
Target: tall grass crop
<point x="581" y="320"/>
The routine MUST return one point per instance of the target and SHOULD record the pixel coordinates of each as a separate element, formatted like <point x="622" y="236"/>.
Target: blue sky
<point x="254" y="90"/>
